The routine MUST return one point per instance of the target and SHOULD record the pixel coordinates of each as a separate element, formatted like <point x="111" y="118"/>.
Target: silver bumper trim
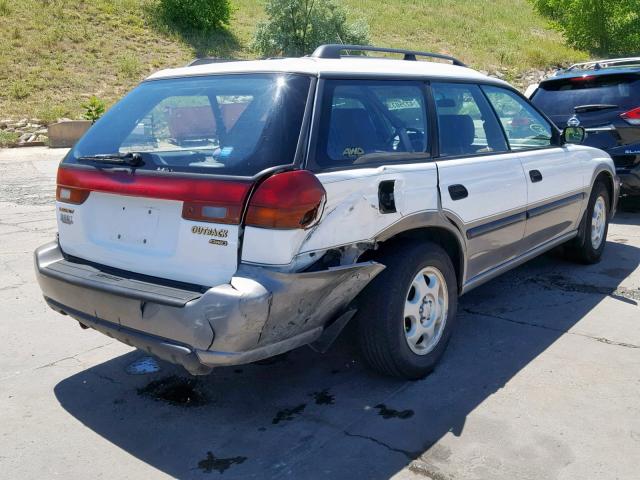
<point x="258" y="314"/>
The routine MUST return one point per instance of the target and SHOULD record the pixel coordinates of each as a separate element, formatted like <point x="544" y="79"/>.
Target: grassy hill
<point x="55" y="54"/>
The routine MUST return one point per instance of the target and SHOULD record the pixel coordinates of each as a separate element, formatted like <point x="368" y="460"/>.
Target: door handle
<point x="535" y="176"/>
<point x="458" y="192"/>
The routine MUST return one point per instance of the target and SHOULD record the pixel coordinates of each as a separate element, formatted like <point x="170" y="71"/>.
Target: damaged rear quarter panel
<point x="303" y="301"/>
<point x="351" y="213"/>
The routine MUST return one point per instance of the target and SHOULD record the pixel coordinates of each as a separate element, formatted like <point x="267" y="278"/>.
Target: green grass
<point x="62" y="52"/>
<point x="8" y="138"/>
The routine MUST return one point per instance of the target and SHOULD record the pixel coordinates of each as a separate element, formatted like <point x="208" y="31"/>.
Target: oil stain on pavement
<point x="288" y="414"/>
<point x="323" y="397"/>
<point x="388" y="413"/>
<point x="175" y="390"/>
<point x="211" y="463"/>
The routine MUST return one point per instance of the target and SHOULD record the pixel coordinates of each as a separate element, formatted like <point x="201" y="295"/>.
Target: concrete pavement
<point x="541" y="381"/>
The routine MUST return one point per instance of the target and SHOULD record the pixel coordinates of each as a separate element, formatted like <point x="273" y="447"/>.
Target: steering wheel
<point x="402" y="136"/>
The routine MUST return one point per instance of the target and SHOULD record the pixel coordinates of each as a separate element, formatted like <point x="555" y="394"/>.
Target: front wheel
<point x="406" y="315"/>
<point x="589" y="245"/>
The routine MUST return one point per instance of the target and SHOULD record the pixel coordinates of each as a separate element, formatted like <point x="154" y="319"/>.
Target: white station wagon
<point x="223" y="213"/>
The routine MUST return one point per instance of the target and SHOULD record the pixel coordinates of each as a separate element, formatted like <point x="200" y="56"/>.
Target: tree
<point x="202" y="15"/>
<point x="602" y="26"/>
<point x="297" y="27"/>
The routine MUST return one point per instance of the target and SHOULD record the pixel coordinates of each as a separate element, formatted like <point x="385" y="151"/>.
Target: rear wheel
<point x="406" y="315"/>
<point x="589" y="245"/>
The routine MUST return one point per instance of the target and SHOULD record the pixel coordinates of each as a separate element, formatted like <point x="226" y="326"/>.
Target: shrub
<point x="297" y="27"/>
<point x="602" y="26"/>
<point x="197" y="14"/>
<point x="93" y="109"/>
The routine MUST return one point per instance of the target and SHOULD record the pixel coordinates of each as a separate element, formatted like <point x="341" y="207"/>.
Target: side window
<point x="524" y="126"/>
<point x="466" y="124"/>
<point x="371" y="121"/>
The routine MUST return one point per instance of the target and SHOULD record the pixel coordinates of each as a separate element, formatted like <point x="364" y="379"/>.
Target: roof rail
<point x="333" y="51"/>
<point x="206" y="60"/>
<point x="598" y="64"/>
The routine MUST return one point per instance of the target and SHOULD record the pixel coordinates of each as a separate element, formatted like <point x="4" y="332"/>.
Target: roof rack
<point x="598" y="64"/>
<point x="333" y="51"/>
<point x="206" y="60"/>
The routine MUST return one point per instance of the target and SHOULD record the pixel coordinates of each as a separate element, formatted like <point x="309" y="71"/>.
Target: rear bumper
<point x="258" y="314"/>
<point x="630" y="181"/>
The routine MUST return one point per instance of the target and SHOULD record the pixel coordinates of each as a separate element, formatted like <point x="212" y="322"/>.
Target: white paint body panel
<point x="323" y="66"/>
<point x="118" y="231"/>
<point x="351" y="213"/>
<point x="495" y="183"/>
<point x="563" y="174"/>
<point x="497" y="188"/>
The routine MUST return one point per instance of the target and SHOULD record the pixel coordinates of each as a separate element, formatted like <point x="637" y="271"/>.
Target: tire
<point x="382" y="327"/>
<point x="587" y="247"/>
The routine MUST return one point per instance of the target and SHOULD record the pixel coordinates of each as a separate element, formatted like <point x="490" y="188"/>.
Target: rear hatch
<point x="599" y="101"/>
<point x="159" y="185"/>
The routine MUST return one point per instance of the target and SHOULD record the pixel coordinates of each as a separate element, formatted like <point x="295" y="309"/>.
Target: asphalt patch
<point x="183" y="392"/>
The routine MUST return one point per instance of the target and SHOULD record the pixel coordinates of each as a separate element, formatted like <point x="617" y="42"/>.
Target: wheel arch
<point x="607" y="179"/>
<point x="604" y="172"/>
<point x="442" y="233"/>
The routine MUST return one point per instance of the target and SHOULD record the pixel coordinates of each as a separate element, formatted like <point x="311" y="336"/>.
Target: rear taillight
<point x="632" y="116"/>
<point x="287" y="200"/>
<point x="216" y="212"/>
<point x="204" y="199"/>
<point x="68" y="190"/>
<point x="71" y="195"/>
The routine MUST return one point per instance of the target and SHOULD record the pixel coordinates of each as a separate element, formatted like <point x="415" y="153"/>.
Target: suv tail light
<point x="71" y="195"/>
<point x="632" y="116"/>
<point x="286" y="200"/>
<point x="68" y="190"/>
<point x="204" y="199"/>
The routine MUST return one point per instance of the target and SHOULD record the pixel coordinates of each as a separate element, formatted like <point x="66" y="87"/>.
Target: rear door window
<point x="368" y="121"/>
<point x="523" y="125"/>
<point x="466" y="123"/>
<point x="221" y="124"/>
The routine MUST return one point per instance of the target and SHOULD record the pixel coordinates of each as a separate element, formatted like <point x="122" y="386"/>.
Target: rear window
<point x="224" y="124"/>
<point x="559" y="97"/>
<point x="364" y="122"/>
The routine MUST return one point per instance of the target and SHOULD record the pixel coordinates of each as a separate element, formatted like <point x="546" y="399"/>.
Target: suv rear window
<point x="224" y="124"/>
<point x="559" y="97"/>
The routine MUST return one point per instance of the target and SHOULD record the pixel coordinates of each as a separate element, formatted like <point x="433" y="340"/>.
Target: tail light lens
<point x="204" y="199"/>
<point x="68" y="190"/>
<point x="71" y="195"/>
<point x="286" y="201"/>
<point x="632" y="116"/>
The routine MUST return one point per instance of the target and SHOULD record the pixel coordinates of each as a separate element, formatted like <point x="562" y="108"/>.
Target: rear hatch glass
<point x="615" y="94"/>
<point x="176" y="214"/>
<point x="225" y="125"/>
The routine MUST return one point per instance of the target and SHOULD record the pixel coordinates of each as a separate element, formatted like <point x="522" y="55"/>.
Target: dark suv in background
<point x="605" y="97"/>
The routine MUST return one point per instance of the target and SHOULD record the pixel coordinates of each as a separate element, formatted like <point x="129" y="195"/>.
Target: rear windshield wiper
<point x="133" y="159"/>
<point x="593" y="108"/>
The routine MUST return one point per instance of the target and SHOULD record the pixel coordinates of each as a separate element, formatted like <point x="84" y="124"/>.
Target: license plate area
<point x="135" y="225"/>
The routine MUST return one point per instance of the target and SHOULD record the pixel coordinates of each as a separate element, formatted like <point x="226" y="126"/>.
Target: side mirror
<point x="574" y="135"/>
